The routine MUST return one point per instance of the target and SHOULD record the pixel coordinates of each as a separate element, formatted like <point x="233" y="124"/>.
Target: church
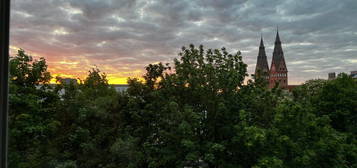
<point x="278" y="73"/>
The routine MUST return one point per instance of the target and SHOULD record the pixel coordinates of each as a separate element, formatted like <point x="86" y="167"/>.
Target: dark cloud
<point x="121" y="37"/>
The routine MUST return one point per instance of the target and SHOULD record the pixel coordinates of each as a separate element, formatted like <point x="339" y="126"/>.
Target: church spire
<point x="278" y="70"/>
<point x="261" y="41"/>
<point x="278" y="54"/>
<point x="277" y="39"/>
<point x="261" y="48"/>
<point x="262" y="68"/>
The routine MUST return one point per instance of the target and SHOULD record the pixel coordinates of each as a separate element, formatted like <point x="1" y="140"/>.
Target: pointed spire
<point x="277" y="47"/>
<point x="261" y="41"/>
<point x="262" y="68"/>
<point x="278" y="54"/>
<point x="277" y="39"/>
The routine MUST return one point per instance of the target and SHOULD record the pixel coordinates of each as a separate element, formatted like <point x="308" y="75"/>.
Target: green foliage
<point x="338" y="100"/>
<point x="31" y="114"/>
<point x="26" y="72"/>
<point x="197" y="113"/>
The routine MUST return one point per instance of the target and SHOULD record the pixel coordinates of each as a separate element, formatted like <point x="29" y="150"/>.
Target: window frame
<point x="4" y="72"/>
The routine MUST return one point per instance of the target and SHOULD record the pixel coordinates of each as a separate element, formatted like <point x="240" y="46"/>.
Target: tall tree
<point x="32" y="122"/>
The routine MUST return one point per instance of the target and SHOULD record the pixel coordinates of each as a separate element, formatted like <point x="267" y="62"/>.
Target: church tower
<point x="262" y="68"/>
<point x="278" y="71"/>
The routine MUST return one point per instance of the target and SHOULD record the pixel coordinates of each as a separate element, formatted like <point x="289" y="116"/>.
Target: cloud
<point x="122" y="37"/>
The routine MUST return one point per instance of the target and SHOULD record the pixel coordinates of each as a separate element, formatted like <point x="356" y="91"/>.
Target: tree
<point x="197" y="113"/>
<point x="31" y="114"/>
<point x="88" y="123"/>
<point x="335" y="100"/>
<point x="338" y="100"/>
<point x="187" y="114"/>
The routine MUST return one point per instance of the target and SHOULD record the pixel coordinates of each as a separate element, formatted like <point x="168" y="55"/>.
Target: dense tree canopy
<point x="196" y="113"/>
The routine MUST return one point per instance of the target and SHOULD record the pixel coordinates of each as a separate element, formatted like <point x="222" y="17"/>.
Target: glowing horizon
<point x="56" y="71"/>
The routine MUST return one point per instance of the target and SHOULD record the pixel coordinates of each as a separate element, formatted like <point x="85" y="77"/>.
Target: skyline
<point x="121" y="38"/>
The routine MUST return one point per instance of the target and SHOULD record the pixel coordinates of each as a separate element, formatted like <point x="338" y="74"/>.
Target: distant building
<point x="291" y="87"/>
<point x="120" y="87"/>
<point x="354" y="74"/>
<point x="278" y="73"/>
<point x="331" y="76"/>
<point x="68" y="81"/>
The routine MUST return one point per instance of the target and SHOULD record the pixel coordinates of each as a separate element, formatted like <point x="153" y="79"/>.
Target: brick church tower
<point x="262" y="68"/>
<point x="278" y="71"/>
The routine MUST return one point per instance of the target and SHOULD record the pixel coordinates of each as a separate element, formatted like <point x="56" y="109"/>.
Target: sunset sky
<point x="121" y="37"/>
